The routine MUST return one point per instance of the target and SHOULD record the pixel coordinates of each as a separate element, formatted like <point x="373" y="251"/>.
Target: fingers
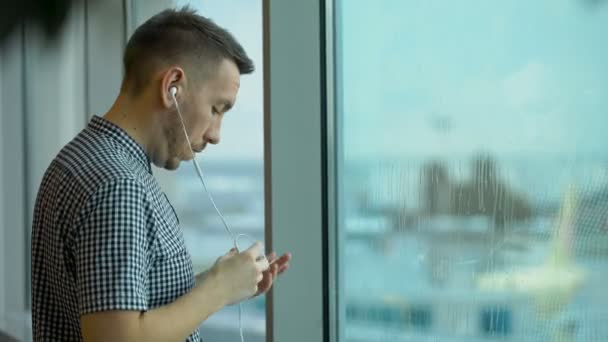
<point x="269" y="267"/>
<point x="269" y="276"/>
<point x="272" y="257"/>
<point x="284" y="258"/>
<point x="264" y="285"/>
<point x="283" y="268"/>
<point x="278" y="265"/>
<point x="282" y="261"/>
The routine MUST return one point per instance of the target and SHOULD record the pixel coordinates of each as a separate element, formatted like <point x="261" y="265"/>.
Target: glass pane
<point x="473" y="170"/>
<point x="233" y="170"/>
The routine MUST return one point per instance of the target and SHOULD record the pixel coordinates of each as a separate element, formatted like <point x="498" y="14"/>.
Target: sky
<point x="455" y="78"/>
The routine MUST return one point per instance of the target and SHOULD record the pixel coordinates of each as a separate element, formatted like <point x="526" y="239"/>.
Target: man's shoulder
<point x="94" y="160"/>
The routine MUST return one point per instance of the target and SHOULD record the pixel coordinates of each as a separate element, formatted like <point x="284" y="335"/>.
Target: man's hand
<point x="240" y="273"/>
<point x="277" y="266"/>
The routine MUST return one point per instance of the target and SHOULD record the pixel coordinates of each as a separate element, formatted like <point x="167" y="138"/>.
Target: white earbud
<point x="173" y="91"/>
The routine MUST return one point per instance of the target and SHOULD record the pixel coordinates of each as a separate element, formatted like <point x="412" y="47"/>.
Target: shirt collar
<point x="108" y="128"/>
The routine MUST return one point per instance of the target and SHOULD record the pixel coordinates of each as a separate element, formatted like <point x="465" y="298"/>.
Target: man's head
<point x="178" y="48"/>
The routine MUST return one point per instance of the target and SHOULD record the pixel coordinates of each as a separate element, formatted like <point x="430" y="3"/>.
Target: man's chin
<point x="171" y="164"/>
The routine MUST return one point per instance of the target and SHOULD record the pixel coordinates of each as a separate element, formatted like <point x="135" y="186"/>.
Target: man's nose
<point x="213" y="134"/>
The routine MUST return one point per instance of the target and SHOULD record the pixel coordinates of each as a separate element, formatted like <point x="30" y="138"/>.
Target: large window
<point x="473" y="171"/>
<point x="233" y="169"/>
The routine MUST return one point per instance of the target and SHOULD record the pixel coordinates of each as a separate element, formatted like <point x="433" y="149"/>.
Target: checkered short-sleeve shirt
<point x="104" y="236"/>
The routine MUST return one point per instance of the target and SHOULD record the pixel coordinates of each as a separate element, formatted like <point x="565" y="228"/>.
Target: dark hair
<point x="182" y="36"/>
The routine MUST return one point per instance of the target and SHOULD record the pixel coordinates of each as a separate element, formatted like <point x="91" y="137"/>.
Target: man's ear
<point x="171" y="77"/>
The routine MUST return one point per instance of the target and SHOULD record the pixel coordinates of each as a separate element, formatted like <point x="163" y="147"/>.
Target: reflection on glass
<point x="474" y="171"/>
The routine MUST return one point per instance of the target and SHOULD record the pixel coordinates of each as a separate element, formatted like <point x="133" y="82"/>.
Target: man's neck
<point x="134" y="118"/>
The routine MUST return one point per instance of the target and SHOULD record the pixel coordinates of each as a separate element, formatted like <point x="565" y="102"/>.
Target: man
<point x="108" y="257"/>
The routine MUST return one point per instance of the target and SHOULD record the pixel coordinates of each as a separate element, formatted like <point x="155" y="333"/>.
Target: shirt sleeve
<point x="112" y="249"/>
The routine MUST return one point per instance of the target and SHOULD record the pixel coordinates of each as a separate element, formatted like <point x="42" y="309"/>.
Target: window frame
<point x="300" y="158"/>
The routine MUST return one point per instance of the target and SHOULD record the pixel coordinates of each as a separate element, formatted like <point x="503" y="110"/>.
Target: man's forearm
<point x="176" y="321"/>
<point x="171" y="322"/>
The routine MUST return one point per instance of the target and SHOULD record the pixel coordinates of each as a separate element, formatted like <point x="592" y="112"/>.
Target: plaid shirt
<point x="104" y="237"/>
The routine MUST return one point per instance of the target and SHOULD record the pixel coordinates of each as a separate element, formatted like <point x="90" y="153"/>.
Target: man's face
<point x="203" y="108"/>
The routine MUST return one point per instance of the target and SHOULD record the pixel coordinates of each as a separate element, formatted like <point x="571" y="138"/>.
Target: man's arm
<point x="233" y="278"/>
<point x="172" y="322"/>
